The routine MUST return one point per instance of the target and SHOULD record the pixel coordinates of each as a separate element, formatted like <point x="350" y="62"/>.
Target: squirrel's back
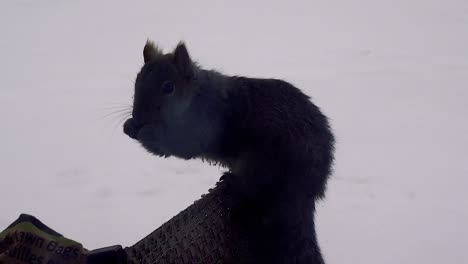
<point x="273" y="129"/>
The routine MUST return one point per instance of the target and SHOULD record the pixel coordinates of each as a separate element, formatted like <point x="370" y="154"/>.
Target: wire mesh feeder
<point x="202" y="233"/>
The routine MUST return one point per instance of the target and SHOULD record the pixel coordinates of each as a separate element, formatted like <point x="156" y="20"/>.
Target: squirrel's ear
<point x="151" y="51"/>
<point x="182" y="60"/>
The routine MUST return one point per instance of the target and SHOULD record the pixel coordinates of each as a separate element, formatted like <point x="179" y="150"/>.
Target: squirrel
<point x="277" y="145"/>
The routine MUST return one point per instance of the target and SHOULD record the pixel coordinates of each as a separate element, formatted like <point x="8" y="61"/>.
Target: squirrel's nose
<point x="131" y="127"/>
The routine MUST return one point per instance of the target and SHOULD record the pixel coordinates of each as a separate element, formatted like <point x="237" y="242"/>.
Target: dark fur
<point x="277" y="145"/>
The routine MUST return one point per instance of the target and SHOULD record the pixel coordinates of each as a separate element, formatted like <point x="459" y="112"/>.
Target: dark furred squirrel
<point x="277" y="146"/>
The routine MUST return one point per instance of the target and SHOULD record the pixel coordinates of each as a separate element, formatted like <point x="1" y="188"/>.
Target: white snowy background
<point x="392" y="75"/>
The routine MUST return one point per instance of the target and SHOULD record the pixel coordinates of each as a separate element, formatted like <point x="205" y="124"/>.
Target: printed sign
<point x="28" y="241"/>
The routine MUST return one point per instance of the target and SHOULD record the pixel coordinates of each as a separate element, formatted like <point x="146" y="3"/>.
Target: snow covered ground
<point x="392" y="75"/>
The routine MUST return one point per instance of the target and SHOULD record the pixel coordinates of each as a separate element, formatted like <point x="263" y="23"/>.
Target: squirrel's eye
<point x="168" y="87"/>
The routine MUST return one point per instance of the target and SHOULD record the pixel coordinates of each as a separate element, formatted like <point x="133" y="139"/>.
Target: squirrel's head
<point x="164" y="86"/>
<point x="163" y="89"/>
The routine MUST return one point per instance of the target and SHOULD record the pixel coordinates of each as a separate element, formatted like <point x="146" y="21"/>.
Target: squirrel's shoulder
<point x="270" y="93"/>
<point x="250" y="82"/>
<point x="268" y="88"/>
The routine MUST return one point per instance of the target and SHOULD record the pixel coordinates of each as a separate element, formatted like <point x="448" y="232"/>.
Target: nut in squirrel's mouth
<point x="145" y="134"/>
<point x="139" y="131"/>
<point x="132" y="127"/>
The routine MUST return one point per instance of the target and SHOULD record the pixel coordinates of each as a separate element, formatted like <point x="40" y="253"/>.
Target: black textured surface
<point x="202" y="233"/>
